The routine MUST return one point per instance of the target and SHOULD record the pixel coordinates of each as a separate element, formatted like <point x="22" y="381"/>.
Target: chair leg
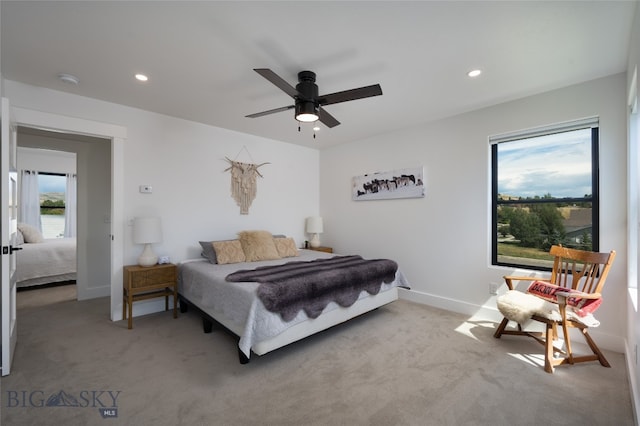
<point x="594" y="348"/>
<point x="548" y="356"/>
<point x="567" y="342"/>
<point x="501" y="328"/>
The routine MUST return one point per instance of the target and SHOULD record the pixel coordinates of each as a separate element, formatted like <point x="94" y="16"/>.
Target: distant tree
<point x="551" y="227"/>
<point x="52" y="207"/>
<point x="525" y="227"/>
<point x="586" y="243"/>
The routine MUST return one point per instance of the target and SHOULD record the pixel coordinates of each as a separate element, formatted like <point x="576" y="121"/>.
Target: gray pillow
<point x="208" y="252"/>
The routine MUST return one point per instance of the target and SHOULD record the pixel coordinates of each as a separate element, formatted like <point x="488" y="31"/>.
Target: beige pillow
<point x="286" y="247"/>
<point x="228" y="252"/>
<point x="258" y="245"/>
<point x="30" y="233"/>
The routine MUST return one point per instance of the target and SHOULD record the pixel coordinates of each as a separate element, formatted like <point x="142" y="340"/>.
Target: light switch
<point x="146" y="189"/>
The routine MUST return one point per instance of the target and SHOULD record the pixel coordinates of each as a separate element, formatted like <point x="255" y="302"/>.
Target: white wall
<point x="46" y="160"/>
<point x="184" y="162"/>
<point x="442" y="241"/>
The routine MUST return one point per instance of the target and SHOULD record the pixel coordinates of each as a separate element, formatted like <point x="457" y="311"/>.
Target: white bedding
<point x="53" y="260"/>
<point x="236" y="306"/>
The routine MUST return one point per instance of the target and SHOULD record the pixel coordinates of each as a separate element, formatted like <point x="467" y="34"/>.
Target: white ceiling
<point x="200" y="56"/>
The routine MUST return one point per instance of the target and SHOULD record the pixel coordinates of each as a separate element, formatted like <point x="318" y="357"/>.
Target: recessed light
<point x="474" y="73"/>
<point x="316" y="128"/>
<point x="141" y="77"/>
<point x="68" y="78"/>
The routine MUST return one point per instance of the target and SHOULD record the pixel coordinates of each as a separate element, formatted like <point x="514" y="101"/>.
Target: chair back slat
<point x="581" y="270"/>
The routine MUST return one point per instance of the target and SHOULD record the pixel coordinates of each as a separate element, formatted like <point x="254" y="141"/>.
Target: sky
<point x="558" y="164"/>
<point x="50" y="183"/>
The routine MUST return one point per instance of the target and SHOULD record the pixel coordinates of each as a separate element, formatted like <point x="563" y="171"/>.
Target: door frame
<point x="117" y="135"/>
<point x="9" y="321"/>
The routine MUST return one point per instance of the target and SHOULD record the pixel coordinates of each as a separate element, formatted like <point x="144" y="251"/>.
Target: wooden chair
<point x="580" y="276"/>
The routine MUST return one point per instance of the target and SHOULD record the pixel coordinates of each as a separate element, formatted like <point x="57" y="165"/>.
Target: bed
<point x="236" y="305"/>
<point x="46" y="262"/>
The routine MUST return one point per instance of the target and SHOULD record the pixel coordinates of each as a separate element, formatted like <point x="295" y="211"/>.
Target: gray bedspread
<point x="312" y="285"/>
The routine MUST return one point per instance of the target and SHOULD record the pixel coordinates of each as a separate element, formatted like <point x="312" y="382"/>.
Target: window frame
<point x="593" y="124"/>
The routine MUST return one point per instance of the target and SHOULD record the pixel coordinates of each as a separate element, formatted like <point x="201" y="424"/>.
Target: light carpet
<point x="403" y="364"/>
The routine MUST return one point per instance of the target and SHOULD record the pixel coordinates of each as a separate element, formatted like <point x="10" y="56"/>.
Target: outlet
<point x="493" y="288"/>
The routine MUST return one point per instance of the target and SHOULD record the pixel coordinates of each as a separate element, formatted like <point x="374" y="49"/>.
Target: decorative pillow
<point x="208" y="251"/>
<point x="228" y="252"/>
<point x="30" y="233"/>
<point x="547" y="291"/>
<point x="19" y="238"/>
<point x="258" y="245"/>
<point x="286" y="247"/>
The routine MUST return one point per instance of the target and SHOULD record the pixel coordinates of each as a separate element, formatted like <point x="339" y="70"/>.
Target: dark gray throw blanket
<point x="312" y="285"/>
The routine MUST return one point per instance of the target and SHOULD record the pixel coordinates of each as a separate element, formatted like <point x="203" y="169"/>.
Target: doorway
<point x="93" y="207"/>
<point x="99" y="252"/>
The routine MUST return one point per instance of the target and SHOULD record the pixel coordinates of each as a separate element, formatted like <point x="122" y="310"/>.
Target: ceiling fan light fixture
<point x="306" y="112"/>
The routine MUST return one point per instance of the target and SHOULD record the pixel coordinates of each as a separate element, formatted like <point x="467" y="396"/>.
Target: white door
<point x="9" y="225"/>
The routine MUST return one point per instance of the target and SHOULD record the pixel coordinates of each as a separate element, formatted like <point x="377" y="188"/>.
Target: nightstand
<point x="147" y="282"/>
<point x="324" y="249"/>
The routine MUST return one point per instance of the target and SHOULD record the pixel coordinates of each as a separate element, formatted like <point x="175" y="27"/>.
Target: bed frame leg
<point x="184" y="306"/>
<point x="243" y="358"/>
<point x="207" y="325"/>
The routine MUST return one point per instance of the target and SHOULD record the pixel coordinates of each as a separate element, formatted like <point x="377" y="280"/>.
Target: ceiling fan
<point x="308" y="104"/>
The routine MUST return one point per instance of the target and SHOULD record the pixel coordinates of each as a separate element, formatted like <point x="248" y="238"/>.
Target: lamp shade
<point x="314" y="225"/>
<point x="147" y="230"/>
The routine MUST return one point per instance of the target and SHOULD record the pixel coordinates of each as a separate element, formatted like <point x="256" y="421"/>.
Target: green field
<point x="506" y="249"/>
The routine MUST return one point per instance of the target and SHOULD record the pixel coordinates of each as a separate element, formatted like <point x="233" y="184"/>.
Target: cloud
<point x="558" y="164"/>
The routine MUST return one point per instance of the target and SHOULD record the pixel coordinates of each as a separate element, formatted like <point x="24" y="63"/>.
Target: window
<point x="544" y="192"/>
<point x="52" y="188"/>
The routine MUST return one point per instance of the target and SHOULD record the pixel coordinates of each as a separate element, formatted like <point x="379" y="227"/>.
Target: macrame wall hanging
<point x="244" y="186"/>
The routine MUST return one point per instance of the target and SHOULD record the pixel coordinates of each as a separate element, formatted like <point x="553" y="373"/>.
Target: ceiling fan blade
<point x="271" y="111"/>
<point x="350" y="95"/>
<point x="277" y="81"/>
<point x="326" y="118"/>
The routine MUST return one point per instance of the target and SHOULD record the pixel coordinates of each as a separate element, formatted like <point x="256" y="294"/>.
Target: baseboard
<point x="491" y="313"/>
<point x="454" y="305"/>
<point x="93" y="293"/>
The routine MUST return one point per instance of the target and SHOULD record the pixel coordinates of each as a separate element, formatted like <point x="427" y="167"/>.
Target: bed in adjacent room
<point x="46" y="262"/>
<point x="228" y="292"/>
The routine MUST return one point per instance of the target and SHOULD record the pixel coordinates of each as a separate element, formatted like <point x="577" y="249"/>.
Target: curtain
<point x="30" y="199"/>
<point x="70" y="207"/>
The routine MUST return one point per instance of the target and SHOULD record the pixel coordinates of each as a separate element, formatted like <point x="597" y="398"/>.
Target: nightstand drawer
<point x="146" y="278"/>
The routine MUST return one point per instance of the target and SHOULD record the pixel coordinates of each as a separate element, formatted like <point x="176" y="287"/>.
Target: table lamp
<point x="147" y="230"/>
<point x="314" y="227"/>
